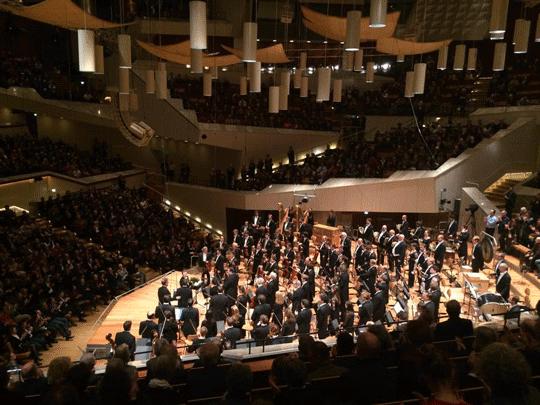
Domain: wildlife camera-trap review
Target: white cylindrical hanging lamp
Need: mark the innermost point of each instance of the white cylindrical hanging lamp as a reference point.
(370, 72)
(100, 61)
(303, 60)
(324, 75)
(442, 58)
(297, 79)
(133, 101)
(196, 61)
(537, 33)
(123, 81)
(249, 44)
(358, 60)
(243, 85)
(254, 74)
(419, 78)
(348, 61)
(499, 12)
(377, 15)
(285, 80)
(409, 84)
(207, 84)
(283, 97)
(400, 58)
(124, 51)
(471, 58)
(273, 99)
(499, 56)
(87, 50)
(523, 28)
(161, 81)
(304, 87)
(352, 36)
(150, 82)
(459, 57)
(197, 24)
(337, 90)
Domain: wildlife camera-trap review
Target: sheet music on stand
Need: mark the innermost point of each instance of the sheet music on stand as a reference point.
(471, 289)
(472, 295)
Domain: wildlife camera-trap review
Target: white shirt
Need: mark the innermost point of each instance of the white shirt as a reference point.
(394, 248)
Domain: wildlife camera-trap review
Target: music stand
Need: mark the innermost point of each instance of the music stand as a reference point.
(472, 295)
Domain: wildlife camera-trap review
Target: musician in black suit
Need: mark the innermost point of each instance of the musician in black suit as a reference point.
(126, 337)
(333, 259)
(148, 326)
(270, 225)
(427, 305)
(389, 243)
(163, 290)
(261, 330)
(440, 251)
(231, 334)
(247, 242)
(452, 228)
(303, 319)
(367, 256)
(297, 296)
(379, 304)
(365, 308)
(381, 243)
(331, 219)
(263, 308)
(161, 309)
(368, 232)
(477, 261)
(455, 326)
(273, 288)
(503, 282)
(418, 232)
(256, 220)
(237, 238)
(219, 264)
(369, 276)
(184, 293)
(463, 238)
(169, 328)
(219, 304)
(398, 254)
(499, 260)
(221, 244)
(343, 286)
(204, 259)
(357, 254)
(323, 316)
(404, 229)
(230, 286)
(190, 319)
(346, 245)
(324, 252)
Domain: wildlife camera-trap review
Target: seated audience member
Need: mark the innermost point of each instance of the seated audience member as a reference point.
(291, 372)
(207, 378)
(321, 366)
(261, 330)
(239, 384)
(529, 343)
(117, 386)
(305, 347)
(507, 373)
(33, 382)
(454, 326)
(159, 389)
(164, 348)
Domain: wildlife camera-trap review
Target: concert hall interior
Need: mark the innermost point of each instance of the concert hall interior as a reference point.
(270, 201)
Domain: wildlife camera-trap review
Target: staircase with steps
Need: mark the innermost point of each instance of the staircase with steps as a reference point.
(479, 93)
(496, 191)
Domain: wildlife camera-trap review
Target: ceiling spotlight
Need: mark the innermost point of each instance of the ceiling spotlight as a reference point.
(274, 40)
(308, 41)
(291, 41)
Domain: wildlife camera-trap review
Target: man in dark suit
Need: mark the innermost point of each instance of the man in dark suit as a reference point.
(303, 319)
(379, 305)
(184, 293)
(297, 296)
(346, 245)
(389, 243)
(381, 243)
(237, 238)
(231, 334)
(418, 232)
(219, 304)
(368, 232)
(454, 326)
(270, 225)
(161, 309)
(358, 252)
(230, 286)
(256, 220)
(367, 256)
(398, 254)
(163, 290)
(500, 260)
(427, 305)
(190, 319)
(440, 251)
(323, 316)
(262, 308)
(369, 276)
(148, 327)
(273, 288)
(503, 282)
(477, 262)
(365, 308)
(404, 229)
(261, 330)
(126, 337)
(219, 264)
(452, 228)
(324, 252)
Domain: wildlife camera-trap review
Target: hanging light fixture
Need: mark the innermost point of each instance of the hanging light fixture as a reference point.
(499, 56)
(124, 51)
(348, 61)
(273, 99)
(197, 25)
(254, 74)
(297, 79)
(150, 82)
(196, 61)
(243, 85)
(285, 80)
(521, 31)
(358, 60)
(471, 58)
(87, 51)
(409, 84)
(123, 81)
(324, 75)
(283, 97)
(442, 58)
(377, 15)
(499, 12)
(133, 101)
(100, 62)
(214, 72)
(304, 87)
(419, 78)
(303, 60)
(459, 57)
(161, 81)
(400, 58)
(537, 34)
(352, 37)
(337, 91)
(370, 72)
(207, 84)
(249, 44)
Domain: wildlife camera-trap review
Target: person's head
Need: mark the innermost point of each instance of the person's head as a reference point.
(500, 255)
(484, 336)
(305, 344)
(164, 282)
(203, 331)
(209, 354)
(88, 359)
(453, 309)
(116, 384)
(503, 268)
(159, 345)
(368, 346)
(150, 315)
(122, 352)
(261, 298)
(418, 332)
(436, 370)
(382, 334)
(320, 353)
(230, 321)
(504, 370)
(305, 303)
(239, 381)
(344, 344)
(263, 319)
(58, 369)
(324, 298)
(165, 368)
(289, 370)
(30, 371)
(476, 239)
(79, 376)
(127, 326)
